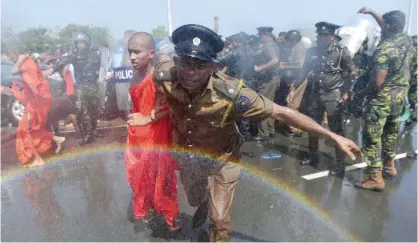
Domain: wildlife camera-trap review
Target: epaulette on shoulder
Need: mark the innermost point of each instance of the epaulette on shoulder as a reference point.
(164, 71)
(226, 85)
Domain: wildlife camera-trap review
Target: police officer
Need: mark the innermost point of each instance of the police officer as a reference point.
(327, 87)
(86, 63)
(204, 104)
(240, 65)
(386, 94)
(292, 56)
(268, 69)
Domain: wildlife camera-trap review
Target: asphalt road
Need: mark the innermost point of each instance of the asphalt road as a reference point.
(82, 195)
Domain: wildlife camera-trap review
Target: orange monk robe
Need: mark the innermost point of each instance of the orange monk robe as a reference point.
(31, 135)
(69, 83)
(150, 168)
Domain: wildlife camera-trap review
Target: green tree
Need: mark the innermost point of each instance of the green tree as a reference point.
(159, 32)
(99, 35)
(38, 39)
(8, 37)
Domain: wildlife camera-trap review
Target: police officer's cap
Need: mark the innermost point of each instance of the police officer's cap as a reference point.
(265, 29)
(197, 41)
(326, 28)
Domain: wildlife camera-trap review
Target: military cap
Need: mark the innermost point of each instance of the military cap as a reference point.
(265, 29)
(197, 41)
(326, 28)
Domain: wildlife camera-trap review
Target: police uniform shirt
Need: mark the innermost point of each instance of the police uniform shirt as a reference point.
(329, 66)
(270, 50)
(196, 121)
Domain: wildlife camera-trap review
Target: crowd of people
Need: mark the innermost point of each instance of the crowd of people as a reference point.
(210, 96)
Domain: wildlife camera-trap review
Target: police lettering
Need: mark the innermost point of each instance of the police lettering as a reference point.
(123, 74)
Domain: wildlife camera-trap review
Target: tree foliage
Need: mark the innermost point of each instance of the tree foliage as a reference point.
(40, 39)
(159, 32)
(100, 36)
(37, 39)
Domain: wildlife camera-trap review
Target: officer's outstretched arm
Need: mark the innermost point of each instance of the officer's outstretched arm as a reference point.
(297, 119)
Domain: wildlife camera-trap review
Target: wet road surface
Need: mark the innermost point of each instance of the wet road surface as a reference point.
(85, 197)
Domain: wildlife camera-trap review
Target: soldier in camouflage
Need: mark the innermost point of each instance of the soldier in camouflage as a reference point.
(386, 93)
(86, 62)
(361, 60)
(412, 93)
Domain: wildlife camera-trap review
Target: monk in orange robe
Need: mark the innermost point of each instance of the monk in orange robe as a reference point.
(32, 138)
(150, 168)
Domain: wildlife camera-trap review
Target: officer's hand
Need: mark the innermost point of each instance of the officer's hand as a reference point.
(348, 146)
(257, 69)
(290, 97)
(365, 10)
(216, 18)
(344, 98)
(139, 120)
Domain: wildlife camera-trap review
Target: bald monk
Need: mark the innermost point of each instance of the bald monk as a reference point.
(150, 169)
(32, 138)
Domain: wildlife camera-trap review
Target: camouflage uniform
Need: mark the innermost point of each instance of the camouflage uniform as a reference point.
(412, 93)
(392, 54)
(86, 71)
(361, 60)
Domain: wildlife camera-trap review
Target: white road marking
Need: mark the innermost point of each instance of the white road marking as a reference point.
(348, 168)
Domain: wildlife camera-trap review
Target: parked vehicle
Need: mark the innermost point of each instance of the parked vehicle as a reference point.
(12, 109)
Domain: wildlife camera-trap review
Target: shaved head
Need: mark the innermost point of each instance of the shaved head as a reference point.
(143, 39)
(141, 50)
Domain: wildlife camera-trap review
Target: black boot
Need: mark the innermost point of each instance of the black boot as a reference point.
(97, 134)
(86, 140)
(94, 127)
(337, 169)
(311, 159)
(200, 215)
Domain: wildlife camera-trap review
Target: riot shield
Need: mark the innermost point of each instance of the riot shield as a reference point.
(104, 64)
(353, 36)
(164, 47)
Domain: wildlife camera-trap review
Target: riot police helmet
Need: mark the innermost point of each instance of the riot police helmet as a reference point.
(293, 36)
(81, 37)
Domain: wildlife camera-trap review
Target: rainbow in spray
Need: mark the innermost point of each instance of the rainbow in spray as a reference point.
(263, 175)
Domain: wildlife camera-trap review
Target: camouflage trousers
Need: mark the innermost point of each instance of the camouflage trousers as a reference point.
(87, 105)
(380, 131)
(412, 98)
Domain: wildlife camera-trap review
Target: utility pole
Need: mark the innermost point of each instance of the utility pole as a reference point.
(170, 26)
(408, 26)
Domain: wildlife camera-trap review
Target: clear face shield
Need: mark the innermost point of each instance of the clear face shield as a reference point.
(165, 48)
(354, 35)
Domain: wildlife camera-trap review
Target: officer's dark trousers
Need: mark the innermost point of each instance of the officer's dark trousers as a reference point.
(87, 105)
(245, 128)
(314, 106)
(268, 89)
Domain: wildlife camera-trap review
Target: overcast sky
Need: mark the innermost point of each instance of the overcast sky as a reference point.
(235, 15)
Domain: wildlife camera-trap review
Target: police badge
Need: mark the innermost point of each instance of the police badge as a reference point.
(196, 41)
